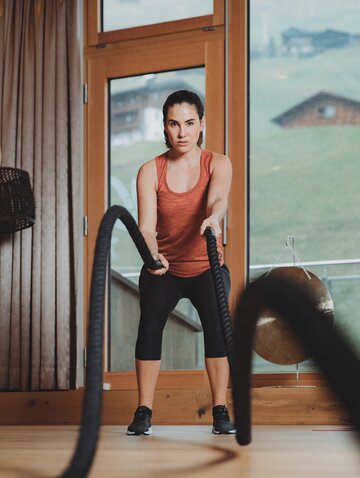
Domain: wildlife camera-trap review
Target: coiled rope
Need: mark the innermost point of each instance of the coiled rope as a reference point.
(324, 343)
(91, 414)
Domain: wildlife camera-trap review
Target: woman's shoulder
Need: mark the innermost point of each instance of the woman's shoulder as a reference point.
(218, 160)
(148, 171)
(148, 166)
(220, 157)
(152, 162)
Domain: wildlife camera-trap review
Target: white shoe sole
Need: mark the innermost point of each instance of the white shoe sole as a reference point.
(148, 432)
(230, 432)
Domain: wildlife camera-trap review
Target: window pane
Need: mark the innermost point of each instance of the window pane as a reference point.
(304, 146)
(120, 14)
(136, 136)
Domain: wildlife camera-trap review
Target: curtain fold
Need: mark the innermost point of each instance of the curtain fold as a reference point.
(40, 131)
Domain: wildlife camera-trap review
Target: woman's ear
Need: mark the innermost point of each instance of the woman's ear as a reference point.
(203, 123)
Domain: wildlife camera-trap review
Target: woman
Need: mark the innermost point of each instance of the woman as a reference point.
(180, 193)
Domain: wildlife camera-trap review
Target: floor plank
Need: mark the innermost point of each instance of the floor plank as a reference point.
(185, 451)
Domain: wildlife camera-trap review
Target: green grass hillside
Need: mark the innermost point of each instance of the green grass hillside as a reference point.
(303, 181)
(306, 181)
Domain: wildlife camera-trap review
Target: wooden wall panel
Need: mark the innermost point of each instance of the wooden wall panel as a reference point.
(271, 406)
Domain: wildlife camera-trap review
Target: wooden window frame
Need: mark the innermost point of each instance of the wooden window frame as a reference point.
(94, 35)
(123, 59)
(101, 54)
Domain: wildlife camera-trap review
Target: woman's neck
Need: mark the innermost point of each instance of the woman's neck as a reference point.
(187, 157)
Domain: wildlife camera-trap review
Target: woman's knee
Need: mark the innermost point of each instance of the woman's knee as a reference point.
(149, 341)
(214, 344)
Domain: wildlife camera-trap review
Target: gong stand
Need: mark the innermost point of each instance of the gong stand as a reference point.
(274, 340)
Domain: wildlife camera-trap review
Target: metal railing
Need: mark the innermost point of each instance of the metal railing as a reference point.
(266, 267)
(324, 269)
(309, 263)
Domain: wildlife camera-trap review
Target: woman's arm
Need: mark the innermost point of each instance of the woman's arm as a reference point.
(219, 188)
(147, 210)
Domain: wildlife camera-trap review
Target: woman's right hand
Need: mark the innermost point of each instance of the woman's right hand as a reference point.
(164, 269)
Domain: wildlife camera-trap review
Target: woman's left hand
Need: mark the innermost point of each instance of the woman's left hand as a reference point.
(212, 222)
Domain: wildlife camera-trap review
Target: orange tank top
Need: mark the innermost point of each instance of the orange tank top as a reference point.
(179, 217)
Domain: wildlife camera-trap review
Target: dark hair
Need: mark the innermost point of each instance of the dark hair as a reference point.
(183, 96)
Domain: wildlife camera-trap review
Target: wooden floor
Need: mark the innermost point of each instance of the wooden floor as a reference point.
(185, 451)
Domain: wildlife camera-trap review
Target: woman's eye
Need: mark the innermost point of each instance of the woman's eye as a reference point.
(191, 123)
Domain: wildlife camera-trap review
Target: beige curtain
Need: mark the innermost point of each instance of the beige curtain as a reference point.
(40, 108)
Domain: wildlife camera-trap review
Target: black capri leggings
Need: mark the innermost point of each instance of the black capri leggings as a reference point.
(158, 298)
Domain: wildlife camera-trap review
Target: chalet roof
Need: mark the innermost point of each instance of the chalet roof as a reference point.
(308, 103)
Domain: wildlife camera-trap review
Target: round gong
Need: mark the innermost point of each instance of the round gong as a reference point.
(274, 341)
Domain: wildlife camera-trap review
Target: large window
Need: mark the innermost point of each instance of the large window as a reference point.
(127, 71)
(304, 146)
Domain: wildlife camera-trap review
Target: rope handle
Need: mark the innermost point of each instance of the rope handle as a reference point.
(209, 232)
(157, 265)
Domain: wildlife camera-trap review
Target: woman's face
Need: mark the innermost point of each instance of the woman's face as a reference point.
(183, 127)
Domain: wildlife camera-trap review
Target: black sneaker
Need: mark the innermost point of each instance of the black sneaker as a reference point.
(141, 425)
(222, 424)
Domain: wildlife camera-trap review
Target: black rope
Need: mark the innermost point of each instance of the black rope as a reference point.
(324, 343)
(91, 415)
(327, 347)
(221, 300)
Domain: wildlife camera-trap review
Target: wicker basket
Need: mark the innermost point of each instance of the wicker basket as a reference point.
(17, 204)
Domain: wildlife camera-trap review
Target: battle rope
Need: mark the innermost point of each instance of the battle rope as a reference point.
(221, 300)
(91, 414)
(328, 348)
(324, 343)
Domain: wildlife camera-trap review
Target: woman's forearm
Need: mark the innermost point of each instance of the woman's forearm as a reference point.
(150, 239)
(217, 210)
